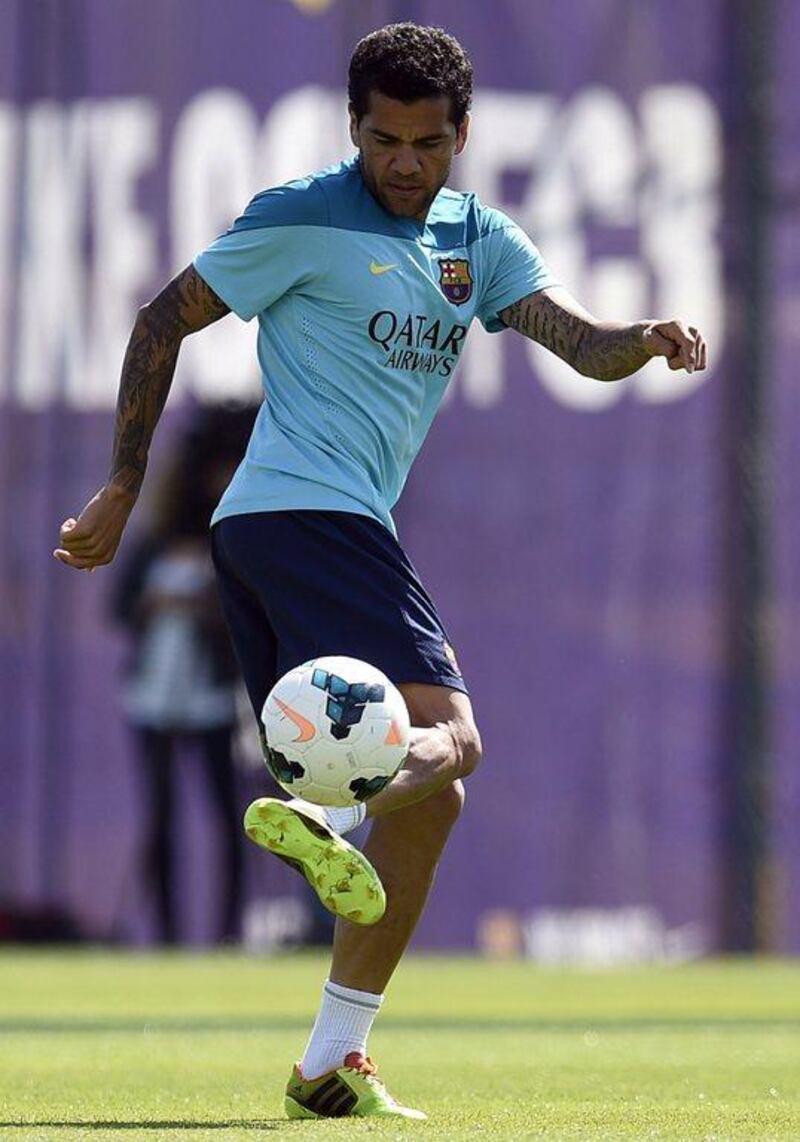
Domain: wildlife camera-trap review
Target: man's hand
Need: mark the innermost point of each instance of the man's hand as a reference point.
(93, 538)
(682, 345)
(604, 350)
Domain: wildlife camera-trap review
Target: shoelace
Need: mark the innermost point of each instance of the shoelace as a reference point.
(364, 1065)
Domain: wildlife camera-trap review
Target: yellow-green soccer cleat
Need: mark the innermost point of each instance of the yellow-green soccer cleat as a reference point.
(353, 1090)
(342, 877)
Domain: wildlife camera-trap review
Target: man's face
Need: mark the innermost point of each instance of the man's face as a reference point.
(406, 151)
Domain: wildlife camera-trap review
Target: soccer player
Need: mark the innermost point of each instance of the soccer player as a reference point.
(365, 279)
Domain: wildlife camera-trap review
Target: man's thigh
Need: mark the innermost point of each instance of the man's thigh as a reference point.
(432, 705)
(442, 705)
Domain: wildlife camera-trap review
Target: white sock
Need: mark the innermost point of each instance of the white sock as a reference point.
(345, 820)
(343, 1024)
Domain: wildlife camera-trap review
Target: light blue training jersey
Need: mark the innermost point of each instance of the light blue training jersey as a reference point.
(362, 318)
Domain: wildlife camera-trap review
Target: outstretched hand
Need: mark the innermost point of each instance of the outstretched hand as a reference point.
(93, 538)
(682, 345)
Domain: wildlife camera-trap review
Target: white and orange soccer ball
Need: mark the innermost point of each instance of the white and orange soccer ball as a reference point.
(336, 731)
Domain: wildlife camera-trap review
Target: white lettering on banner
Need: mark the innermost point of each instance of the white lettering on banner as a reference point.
(123, 147)
(50, 338)
(593, 163)
(8, 147)
(680, 221)
(212, 177)
(73, 325)
(644, 179)
(590, 175)
(304, 131)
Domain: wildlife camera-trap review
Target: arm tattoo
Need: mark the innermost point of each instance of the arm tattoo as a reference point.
(185, 305)
(605, 350)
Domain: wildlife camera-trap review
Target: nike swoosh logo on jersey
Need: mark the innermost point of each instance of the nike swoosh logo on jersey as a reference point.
(306, 728)
(375, 268)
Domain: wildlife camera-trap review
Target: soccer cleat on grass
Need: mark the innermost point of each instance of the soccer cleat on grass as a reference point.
(342, 877)
(353, 1090)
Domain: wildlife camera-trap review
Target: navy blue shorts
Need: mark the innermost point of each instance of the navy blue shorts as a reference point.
(295, 585)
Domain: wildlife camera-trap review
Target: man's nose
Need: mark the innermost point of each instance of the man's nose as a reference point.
(406, 161)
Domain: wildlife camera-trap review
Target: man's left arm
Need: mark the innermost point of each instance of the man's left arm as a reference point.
(604, 350)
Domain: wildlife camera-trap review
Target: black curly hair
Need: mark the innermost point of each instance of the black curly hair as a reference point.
(409, 62)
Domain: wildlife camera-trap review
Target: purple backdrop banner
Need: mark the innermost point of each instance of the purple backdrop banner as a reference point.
(571, 532)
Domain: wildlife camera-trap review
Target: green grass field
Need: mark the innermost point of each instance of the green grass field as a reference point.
(124, 1046)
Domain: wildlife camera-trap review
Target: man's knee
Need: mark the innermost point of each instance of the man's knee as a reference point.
(468, 748)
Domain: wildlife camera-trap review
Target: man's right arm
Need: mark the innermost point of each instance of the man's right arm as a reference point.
(184, 306)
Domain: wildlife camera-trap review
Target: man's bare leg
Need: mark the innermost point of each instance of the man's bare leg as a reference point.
(386, 887)
(444, 746)
(404, 846)
(412, 819)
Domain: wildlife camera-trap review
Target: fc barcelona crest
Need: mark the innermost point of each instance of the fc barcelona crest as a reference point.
(455, 279)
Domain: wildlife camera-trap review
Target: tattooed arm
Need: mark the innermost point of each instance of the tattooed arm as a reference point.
(184, 306)
(605, 350)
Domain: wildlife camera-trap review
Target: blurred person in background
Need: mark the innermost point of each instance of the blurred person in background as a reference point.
(181, 677)
(365, 279)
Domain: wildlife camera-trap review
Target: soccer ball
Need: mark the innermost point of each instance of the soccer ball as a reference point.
(336, 731)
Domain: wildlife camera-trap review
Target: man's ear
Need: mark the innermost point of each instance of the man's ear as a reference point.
(355, 137)
(462, 134)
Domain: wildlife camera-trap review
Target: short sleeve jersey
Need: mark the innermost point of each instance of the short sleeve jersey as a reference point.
(362, 319)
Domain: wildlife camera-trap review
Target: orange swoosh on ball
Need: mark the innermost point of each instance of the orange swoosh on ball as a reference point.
(393, 737)
(306, 728)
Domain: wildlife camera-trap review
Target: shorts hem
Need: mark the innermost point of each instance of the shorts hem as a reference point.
(451, 681)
